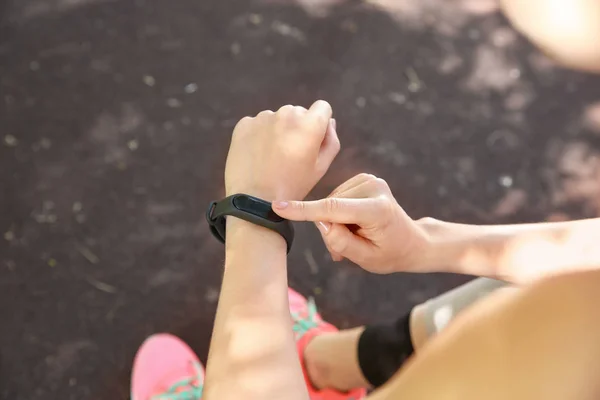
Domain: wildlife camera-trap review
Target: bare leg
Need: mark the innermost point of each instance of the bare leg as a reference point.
(333, 359)
(540, 342)
(568, 30)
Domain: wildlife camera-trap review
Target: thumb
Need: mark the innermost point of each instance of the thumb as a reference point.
(331, 209)
(330, 147)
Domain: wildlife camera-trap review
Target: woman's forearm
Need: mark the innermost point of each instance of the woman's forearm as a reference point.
(252, 353)
(272, 156)
(516, 253)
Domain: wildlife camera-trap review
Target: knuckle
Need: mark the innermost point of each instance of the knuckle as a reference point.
(432, 224)
(288, 115)
(373, 186)
(299, 205)
(365, 176)
(323, 104)
(428, 220)
(389, 208)
(299, 109)
(300, 208)
(383, 217)
(381, 184)
(285, 110)
(383, 205)
(244, 121)
(332, 205)
(265, 113)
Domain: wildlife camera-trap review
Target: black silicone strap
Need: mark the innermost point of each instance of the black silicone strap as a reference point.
(251, 209)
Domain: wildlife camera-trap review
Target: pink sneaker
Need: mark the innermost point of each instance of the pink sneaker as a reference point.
(308, 324)
(165, 368)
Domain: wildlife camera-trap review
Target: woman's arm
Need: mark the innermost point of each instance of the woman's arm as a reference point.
(516, 253)
(362, 221)
(540, 342)
(252, 353)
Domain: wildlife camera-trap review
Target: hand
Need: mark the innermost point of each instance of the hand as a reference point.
(283, 154)
(361, 221)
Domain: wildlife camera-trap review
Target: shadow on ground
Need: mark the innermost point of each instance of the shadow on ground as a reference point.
(115, 119)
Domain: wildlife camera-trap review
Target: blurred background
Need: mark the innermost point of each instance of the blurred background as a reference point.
(115, 119)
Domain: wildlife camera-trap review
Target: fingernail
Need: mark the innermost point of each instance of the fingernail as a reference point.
(324, 226)
(334, 124)
(280, 204)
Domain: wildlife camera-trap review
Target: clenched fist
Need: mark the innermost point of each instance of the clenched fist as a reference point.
(283, 154)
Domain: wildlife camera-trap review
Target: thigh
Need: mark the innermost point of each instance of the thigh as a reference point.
(540, 342)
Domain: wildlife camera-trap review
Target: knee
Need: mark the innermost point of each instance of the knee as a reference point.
(568, 30)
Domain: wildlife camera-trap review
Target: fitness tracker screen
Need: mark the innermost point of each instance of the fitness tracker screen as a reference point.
(261, 209)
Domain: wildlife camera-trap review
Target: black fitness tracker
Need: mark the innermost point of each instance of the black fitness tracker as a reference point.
(250, 209)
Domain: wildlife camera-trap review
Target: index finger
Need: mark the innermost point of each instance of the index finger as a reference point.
(332, 209)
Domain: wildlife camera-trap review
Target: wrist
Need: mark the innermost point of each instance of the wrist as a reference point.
(421, 253)
(440, 252)
(460, 248)
(267, 193)
(257, 191)
(242, 235)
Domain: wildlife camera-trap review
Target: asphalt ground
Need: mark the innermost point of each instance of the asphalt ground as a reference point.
(115, 118)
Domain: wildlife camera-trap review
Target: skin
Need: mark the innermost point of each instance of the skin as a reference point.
(538, 343)
(272, 156)
(332, 361)
(567, 30)
(361, 221)
(515, 344)
(253, 302)
(357, 221)
(253, 354)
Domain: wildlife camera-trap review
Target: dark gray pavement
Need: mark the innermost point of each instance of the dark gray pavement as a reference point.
(115, 118)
